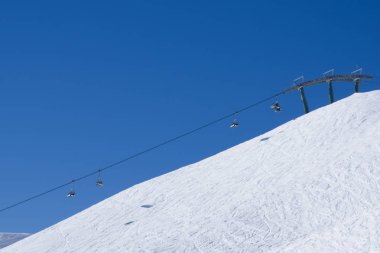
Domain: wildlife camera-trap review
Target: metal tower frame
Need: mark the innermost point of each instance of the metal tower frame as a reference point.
(356, 77)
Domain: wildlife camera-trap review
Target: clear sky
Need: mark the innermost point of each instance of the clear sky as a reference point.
(87, 83)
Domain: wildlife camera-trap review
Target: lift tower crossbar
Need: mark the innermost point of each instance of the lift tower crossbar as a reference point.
(353, 78)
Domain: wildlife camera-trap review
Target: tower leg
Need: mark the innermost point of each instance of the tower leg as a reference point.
(303, 97)
(357, 85)
(331, 92)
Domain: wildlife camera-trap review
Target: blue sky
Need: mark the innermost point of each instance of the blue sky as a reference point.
(87, 83)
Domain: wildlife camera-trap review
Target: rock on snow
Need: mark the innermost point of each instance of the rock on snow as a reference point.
(310, 185)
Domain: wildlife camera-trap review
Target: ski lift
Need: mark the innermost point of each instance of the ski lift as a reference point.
(71, 193)
(276, 106)
(235, 122)
(99, 181)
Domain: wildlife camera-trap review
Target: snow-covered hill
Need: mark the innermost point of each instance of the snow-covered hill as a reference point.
(9, 238)
(311, 185)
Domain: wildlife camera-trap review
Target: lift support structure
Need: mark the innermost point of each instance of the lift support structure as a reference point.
(352, 78)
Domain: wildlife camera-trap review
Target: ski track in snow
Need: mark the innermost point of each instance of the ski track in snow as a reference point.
(310, 185)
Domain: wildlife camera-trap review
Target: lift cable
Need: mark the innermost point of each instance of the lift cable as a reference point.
(145, 151)
(152, 148)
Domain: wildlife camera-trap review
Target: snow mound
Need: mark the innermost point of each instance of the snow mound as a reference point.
(10, 238)
(310, 185)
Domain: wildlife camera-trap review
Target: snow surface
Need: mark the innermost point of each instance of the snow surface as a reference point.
(9, 238)
(310, 185)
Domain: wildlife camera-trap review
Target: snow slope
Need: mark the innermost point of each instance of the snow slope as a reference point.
(310, 185)
(9, 238)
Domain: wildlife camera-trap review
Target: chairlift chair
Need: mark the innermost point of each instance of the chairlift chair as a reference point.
(99, 183)
(276, 107)
(234, 124)
(71, 194)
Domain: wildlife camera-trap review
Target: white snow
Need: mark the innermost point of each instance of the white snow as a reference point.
(9, 238)
(310, 185)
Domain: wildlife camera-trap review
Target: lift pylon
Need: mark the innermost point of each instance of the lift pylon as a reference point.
(329, 81)
(357, 80)
(356, 77)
